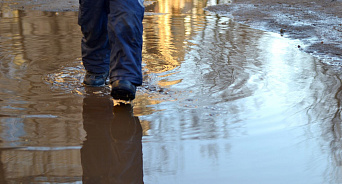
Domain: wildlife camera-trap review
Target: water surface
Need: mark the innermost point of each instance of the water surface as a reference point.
(220, 103)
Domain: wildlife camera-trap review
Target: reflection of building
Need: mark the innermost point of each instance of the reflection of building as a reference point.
(33, 38)
(41, 42)
(32, 45)
(168, 25)
(167, 31)
(50, 151)
(166, 34)
(27, 166)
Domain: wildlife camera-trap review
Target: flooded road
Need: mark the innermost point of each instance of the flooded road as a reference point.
(221, 103)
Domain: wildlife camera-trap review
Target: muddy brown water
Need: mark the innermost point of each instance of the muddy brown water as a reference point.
(221, 103)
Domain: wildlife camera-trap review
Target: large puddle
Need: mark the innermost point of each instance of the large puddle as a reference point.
(220, 103)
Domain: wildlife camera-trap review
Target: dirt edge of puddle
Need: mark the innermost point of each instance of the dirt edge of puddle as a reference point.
(318, 24)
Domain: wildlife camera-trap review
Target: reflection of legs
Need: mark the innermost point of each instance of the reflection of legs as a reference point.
(93, 18)
(95, 152)
(112, 151)
(2, 171)
(126, 132)
(125, 34)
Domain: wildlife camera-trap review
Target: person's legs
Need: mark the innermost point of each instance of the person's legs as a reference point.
(93, 18)
(125, 35)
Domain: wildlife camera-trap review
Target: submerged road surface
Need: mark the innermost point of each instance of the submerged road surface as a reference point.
(221, 103)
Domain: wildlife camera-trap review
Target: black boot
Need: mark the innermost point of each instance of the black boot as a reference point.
(123, 90)
(95, 79)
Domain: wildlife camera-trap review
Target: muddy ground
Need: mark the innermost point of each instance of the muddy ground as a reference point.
(43, 5)
(317, 23)
(48, 5)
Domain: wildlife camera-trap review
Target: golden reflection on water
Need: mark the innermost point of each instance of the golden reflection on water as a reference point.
(166, 34)
(53, 165)
(33, 44)
(40, 43)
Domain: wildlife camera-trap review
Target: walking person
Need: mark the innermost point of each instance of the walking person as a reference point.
(112, 44)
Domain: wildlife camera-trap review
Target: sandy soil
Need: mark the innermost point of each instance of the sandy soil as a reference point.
(317, 23)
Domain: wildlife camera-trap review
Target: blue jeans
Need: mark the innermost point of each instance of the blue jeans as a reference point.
(112, 38)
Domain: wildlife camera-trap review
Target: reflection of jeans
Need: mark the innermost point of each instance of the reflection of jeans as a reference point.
(2, 171)
(112, 37)
(112, 152)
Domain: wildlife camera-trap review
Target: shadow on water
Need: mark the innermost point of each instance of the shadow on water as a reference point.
(220, 102)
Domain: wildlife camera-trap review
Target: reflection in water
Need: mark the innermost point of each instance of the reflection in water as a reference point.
(112, 151)
(2, 171)
(220, 101)
(166, 35)
(239, 82)
(40, 164)
(333, 128)
(33, 45)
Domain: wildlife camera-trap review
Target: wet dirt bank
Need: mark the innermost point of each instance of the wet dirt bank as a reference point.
(48, 5)
(318, 24)
(43, 5)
